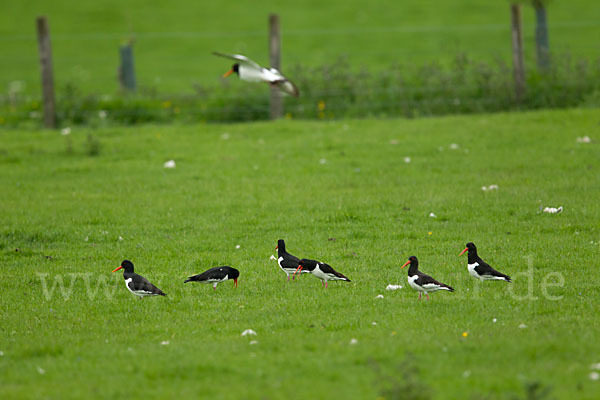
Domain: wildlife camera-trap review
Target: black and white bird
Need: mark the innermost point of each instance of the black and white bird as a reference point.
(287, 262)
(137, 284)
(320, 270)
(250, 71)
(421, 282)
(479, 268)
(215, 276)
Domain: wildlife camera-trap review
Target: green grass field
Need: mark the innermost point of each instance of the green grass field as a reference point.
(173, 40)
(63, 214)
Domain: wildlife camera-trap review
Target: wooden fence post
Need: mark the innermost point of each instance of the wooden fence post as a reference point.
(517, 51)
(276, 107)
(126, 70)
(541, 36)
(45, 50)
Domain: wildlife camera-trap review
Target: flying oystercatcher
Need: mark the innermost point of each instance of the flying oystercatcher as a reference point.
(215, 276)
(287, 262)
(250, 71)
(479, 268)
(137, 284)
(320, 270)
(421, 282)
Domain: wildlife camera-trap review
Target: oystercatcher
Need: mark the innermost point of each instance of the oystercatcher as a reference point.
(479, 268)
(137, 284)
(250, 71)
(215, 276)
(421, 282)
(287, 262)
(320, 270)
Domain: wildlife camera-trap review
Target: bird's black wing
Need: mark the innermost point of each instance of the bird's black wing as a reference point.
(484, 269)
(289, 261)
(426, 281)
(328, 269)
(216, 273)
(139, 283)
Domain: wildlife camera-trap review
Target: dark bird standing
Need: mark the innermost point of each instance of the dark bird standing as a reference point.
(215, 276)
(320, 270)
(479, 268)
(421, 282)
(137, 284)
(287, 262)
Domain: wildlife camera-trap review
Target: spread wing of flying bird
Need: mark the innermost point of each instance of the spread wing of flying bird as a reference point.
(250, 71)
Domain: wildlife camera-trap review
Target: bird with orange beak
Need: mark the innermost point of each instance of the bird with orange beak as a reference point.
(421, 282)
(320, 270)
(480, 269)
(215, 276)
(287, 262)
(250, 71)
(137, 284)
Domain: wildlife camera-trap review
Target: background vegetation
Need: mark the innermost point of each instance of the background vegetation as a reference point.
(409, 59)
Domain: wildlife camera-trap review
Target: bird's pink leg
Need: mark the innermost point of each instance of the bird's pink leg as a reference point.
(288, 277)
(419, 295)
(427, 294)
(325, 284)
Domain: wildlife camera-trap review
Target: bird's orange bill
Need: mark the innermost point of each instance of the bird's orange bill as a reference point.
(405, 264)
(463, 252)
(297, 269)
(118, 268)
(276, 247)
(235, 281)
(226, 74)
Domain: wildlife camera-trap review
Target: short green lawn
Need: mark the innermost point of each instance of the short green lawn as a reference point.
(340, 192)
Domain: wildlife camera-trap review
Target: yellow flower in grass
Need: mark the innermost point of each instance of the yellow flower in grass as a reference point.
(465, 334)
(321, 105)
(166, 104)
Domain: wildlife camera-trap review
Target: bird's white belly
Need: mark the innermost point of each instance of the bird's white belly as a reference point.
(413, 284)
(320, 274)
(471, 268)
(254, 75)
(211, 280)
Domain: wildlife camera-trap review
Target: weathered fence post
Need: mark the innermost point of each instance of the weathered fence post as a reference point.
(45, 50)
(126, 70)
(517, 51)
(541, 36)
(275, 60)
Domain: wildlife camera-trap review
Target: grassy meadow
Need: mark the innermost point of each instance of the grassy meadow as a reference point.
(173, 39)
(73, 207)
